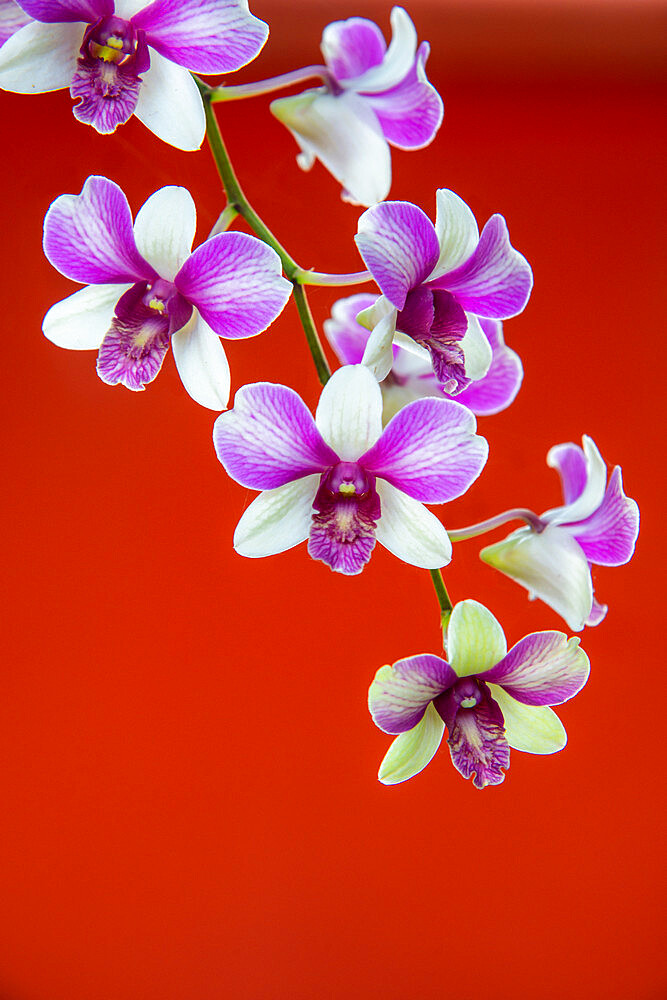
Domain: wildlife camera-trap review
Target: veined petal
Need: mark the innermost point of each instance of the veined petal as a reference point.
(478, 744)
(165, 228)
(410, 531)
(88, 237)
(59, 11)
(412, 751)
(378, 354)
(589, 485)
(270, 438)
(475, 639)
(456, 229)
(531, 728)
(400, 694)
(545, 668)
(550, 565)
(344, 133)
(411, 112)
(429, 450)
(351, 47)
(569, 460)
(399, 247)
(81, 321)
(277, 520)
(40, 57)
(349, 413)
(598, 613)
(347, 337)
(205, 36)
(499, 387)
(202, 363)
(12, 18)
(476, 349)
(170, 104)
(609, 535)
(398, 60)
(236, 282)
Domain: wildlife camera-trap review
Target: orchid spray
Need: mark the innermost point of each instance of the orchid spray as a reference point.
(395, 428)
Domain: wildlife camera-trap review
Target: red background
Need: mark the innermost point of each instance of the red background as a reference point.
(189, 807)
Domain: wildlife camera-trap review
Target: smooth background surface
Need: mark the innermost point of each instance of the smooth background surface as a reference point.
(188, 801)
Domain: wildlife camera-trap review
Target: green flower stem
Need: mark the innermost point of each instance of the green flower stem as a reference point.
(444, 600)
(259, 87)
(321, 278)
(238, 203)
(518, 514)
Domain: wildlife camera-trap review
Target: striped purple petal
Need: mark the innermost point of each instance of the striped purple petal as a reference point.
(400, 694)
(270, 438)
(609, 535)
(478, 745)
(411, 112)
(88, 237)
(63, 11)
(498, 388)
(545, 668)
(12, 17)
(569, 460)
(351, 47)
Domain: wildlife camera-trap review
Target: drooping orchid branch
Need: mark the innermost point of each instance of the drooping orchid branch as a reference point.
(270, 85)
(517, 514)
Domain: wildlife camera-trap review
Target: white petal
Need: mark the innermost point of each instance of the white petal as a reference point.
(40, 57)
(128, 8)
(349, 413)
(378, 354)
(398, 60)
(412, 751)
(80, 322)
(165, 228)
(170, 104)
(457, 231)
(410, 531)
(277, 520)
(531, 728)
(475, 640)
(476, 349)
(593, 492)
(202, 364)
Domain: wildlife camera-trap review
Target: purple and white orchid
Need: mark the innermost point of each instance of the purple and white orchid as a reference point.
(597, 525)
(125, 57)
(375, 97)
(145, 288)
(488, 698)
(412, 377)
(436, 283)
(12, 18)
(340, 480)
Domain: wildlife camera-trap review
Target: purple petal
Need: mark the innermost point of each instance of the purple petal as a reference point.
(478, 744)
(342, 532)
(351, 47)
(59, 11)
(107, 93)
(270, 438)
(11, 19)
(609, 535)
(496, 280)
(88, 237)
(417, 315)
(429, 450)
(545, 668)
(133, 350)
(570, 461)
(205, 36)
(399, 695)
(410, 113)
(499, 387)
(236, 282)
(598, 613)
(348, 337)
(399, 246)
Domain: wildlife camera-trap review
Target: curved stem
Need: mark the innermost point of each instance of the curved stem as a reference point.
(444, 600)
(321, 278)
(273, 83)
(517, 514)
(312, 336)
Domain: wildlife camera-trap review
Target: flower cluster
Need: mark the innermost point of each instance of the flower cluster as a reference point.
(395, 427)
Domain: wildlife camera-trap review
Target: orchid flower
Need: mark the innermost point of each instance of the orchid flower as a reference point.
(11, 19)
(374, 97)
(145, 288)
(489, 699)
(125, 57)
(436, 283)
(339, 480)
(597, 525)
(412, 377)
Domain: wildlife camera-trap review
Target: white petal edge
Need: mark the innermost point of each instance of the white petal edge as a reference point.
(349, 413)
(277, 520)
(412, 751)
(165, 228)
(398, 59)
(531, 728)
(378, 355)
(475, 639)
(202, 364)
(593, 492)
(410, 531)
(457, 231)
(170, 104)
(40, 57)
(80, 322)
(476, 349)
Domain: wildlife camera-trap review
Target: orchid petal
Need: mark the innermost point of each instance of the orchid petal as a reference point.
(550, 565)
(478, 744)
(347, 337)
(351, 47)
(598, 613)
(410, 531)
(60, 11)
(456, 229)
(569, 460)
(205, 36)
(412, 751)
(378, 354)
(499, 387)
(530, 728)
(429, 451)
(165, 228)
(400, 694)
(410, 113)
(277, 519)
(349, 413)
(590, 495)
(399, 247)
(544, 668)
(81, 321)
(40, 58)
(236, 282)
(12, 19)
(88, 237)
(202, 364)
(475, 639)
(398, 60)
(476, 349)
(270, 438)
(608, 537)
(170, 104)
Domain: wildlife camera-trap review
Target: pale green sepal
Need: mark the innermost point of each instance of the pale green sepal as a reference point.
(371, 316)
(475, 640)
(378, 354)
(412, 751)
(531, 728)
